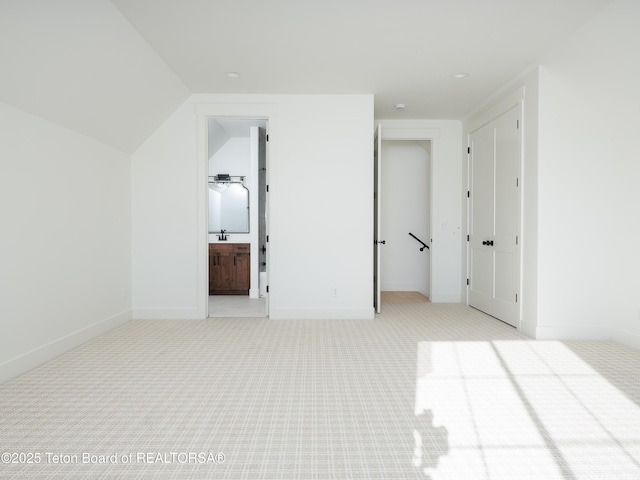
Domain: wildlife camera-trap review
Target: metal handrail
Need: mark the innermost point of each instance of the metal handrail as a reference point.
(424, 244)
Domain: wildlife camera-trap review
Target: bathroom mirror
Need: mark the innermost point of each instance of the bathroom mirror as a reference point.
(228, 207)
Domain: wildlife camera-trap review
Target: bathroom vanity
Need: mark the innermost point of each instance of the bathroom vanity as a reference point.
(229, 268)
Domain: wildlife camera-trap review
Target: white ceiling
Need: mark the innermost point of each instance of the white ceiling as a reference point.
(114, 70)
(403, 51)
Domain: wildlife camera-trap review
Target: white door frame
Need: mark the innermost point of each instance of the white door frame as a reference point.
(433, 136)
(205, 111)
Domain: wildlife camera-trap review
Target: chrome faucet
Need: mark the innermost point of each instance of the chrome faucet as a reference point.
(222, 237)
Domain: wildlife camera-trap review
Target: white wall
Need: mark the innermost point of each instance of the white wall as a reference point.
(216, 137)
(405, 195)
(65, 242)
(589, 218)
(164, 211)
(446, 198)
(232, 158)
(580, 184)
(321, 184)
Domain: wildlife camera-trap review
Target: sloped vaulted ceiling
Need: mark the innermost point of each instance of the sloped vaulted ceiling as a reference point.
(81, 64)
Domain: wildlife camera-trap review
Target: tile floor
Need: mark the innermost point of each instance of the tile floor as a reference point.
(228, 306)
(424, 391)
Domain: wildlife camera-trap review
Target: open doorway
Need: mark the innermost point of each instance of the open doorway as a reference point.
(405, 221)
(237, 217)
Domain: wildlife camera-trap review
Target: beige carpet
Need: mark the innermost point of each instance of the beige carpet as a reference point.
(423, 391)
(403, 297)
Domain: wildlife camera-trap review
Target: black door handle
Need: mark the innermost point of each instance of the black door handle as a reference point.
(488, 242)
(383, 242)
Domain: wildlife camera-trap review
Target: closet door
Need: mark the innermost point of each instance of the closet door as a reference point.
(481, 210)
(494, 220)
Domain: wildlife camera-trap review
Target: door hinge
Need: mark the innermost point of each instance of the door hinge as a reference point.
(267, 188)
(267, 288)
(517, 124)
(467, 238)
(517, 182)
(516, 298)
(468, 149)
(267, 238)
(267, 137)
(467, 281)
(468, 194)
(516, 240)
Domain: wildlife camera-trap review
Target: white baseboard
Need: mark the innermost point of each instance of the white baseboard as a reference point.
(528, 329)
(322, 314)
(29, 360)
(166, 314)
(626, 338)
(577, 332)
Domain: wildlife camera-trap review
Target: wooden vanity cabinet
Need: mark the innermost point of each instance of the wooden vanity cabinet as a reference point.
(229, 268)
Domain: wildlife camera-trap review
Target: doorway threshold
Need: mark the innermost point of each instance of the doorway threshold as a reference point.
(403, 297)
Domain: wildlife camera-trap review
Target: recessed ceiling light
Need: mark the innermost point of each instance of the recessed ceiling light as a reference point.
(233, 74)
(460, 75)
(400, 106)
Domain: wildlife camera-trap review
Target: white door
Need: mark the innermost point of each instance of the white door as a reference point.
(494, 206)
(377, 152)
(263, 219)
(481, 218)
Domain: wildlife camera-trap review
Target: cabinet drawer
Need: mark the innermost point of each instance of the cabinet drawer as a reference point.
(229, 247)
